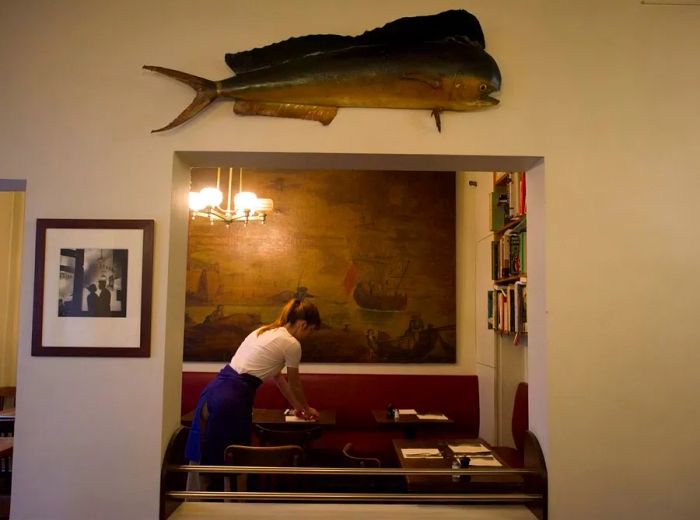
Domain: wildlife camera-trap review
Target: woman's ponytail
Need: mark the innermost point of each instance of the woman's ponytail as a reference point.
(295, 309)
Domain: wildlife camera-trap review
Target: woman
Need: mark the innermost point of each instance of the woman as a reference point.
(224, 412)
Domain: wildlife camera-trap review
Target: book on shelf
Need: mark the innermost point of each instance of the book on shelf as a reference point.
(523, 312)
(521, 307)
(495, 259)
(514, 254)
(489, 307)
(502, 310)
(506, 311)
(516, 310)
(514, 194)
(496, 308)
(511, 308)
(498, 215)
(505, 256)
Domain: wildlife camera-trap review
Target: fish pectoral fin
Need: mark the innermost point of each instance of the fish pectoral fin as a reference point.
(438, 122)
(433, 81)
(323, 114)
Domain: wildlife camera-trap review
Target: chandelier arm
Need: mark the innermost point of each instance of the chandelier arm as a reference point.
(228, 202)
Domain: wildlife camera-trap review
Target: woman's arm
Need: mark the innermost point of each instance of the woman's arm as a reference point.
(282, 384)
(293, 391)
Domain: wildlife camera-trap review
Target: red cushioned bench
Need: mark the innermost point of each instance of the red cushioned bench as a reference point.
(515, 457)
(354, 396)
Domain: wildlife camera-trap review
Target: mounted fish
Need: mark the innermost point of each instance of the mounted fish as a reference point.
(435, 62)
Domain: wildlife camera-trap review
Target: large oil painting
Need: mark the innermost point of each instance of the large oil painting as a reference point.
(374, 250)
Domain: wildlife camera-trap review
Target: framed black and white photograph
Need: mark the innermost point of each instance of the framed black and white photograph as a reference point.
(92, 288)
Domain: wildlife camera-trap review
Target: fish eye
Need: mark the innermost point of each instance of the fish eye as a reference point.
(483, 87)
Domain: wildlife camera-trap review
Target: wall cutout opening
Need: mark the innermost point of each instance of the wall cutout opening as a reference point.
(466, 363)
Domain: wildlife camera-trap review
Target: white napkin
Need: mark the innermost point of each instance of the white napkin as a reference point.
(432, 416)
(465, 449)
(421, 453)
(294, 418)
(483, 461)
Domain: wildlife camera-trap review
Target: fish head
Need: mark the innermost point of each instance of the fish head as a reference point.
(475, 81)
(470, 93)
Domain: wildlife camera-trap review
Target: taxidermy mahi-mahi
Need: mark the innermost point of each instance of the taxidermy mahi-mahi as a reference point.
(433, 62)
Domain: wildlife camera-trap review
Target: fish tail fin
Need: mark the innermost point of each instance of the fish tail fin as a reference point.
(206, 93)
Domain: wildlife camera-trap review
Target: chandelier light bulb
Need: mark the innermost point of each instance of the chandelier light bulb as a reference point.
(245, 201)
(196, 201)
(211, 196)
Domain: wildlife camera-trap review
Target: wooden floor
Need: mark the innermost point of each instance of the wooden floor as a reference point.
(249, 511)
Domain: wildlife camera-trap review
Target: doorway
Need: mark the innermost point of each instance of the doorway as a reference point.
(11, 238)
(11, 232)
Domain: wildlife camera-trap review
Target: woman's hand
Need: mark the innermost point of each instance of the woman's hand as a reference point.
(312, 413)
(309, 413)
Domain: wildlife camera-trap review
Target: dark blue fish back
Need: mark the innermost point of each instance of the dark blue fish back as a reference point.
(456, 23)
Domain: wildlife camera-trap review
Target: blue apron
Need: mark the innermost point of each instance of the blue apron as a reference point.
(229, 398)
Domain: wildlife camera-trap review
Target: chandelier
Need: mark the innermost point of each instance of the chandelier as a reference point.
(246, 207)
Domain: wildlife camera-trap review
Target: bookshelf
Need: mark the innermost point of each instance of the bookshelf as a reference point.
(507, 300)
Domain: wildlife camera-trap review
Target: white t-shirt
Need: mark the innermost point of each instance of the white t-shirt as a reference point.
(265, 355)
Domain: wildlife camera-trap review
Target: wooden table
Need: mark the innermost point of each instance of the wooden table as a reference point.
(275, 417)
(408, 423)
(445, 483)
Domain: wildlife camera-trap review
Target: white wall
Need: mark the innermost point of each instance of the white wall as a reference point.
(605, 91)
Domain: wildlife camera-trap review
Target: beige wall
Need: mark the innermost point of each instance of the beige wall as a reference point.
(605, 91)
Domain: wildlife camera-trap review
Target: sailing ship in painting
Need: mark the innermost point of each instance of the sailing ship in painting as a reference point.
(382, 294)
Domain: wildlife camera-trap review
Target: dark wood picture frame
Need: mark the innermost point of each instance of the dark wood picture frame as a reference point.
(64, 248)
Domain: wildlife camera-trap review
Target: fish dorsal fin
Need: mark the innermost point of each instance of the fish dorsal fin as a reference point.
(323, 114)
(456, 23)
(261, 57)
(452, 23)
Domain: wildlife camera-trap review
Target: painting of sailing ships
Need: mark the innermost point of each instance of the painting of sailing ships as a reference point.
(374, 250)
